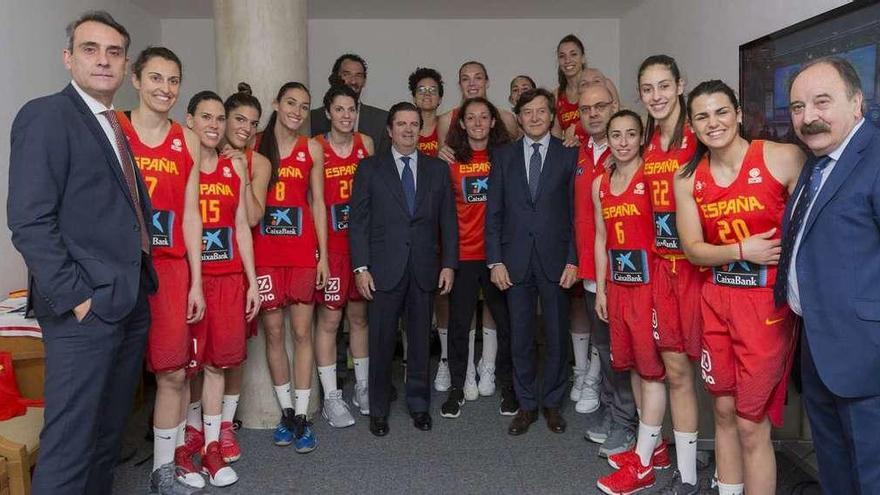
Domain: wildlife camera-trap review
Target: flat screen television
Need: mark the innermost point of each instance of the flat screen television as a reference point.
(766, 65)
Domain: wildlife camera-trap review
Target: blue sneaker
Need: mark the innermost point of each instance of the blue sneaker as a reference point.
(305, 437)
(283, 435)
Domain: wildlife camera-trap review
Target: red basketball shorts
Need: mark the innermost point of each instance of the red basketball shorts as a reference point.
(630, 321)
(281, 286)
(748, 349)
(220, 338)
(676, 286)
(340, 287)
(169, 343)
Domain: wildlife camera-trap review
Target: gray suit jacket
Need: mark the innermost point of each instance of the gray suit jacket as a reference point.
(371, 121)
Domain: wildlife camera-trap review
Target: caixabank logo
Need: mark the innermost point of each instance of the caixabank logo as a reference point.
(475, 189)
(740, 274)
(339, 215)
(629, 266)
(161, 228)
(282, 221)
(665, 232)
(217, 245)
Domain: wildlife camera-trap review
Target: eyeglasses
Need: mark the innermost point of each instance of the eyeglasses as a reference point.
(427, 90)
(599, 107)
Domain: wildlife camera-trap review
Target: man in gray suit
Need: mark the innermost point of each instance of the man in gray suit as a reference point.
(351, 70)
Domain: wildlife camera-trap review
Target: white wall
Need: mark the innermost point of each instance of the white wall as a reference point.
(193, 41)
(32, 37)
(703, 35)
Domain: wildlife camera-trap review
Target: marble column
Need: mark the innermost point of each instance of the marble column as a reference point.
(262, 43)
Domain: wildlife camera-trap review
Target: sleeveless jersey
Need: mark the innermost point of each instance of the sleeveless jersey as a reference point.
(660, 169)
(430, 144)
(470, 184)
(584, 214)
(218, 200)
(338, 177)
(754, 202)
(629, 230)
(567, 114)
(286, 235)
(165, 170)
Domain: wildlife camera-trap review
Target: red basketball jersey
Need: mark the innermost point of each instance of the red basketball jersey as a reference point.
(629, 230)
(568, 114)
(219, 193)
(165, 170)
(430, 144)
(753, 203)
(338, 177)
(470, 184)
(286, 234)
(660, 169)
(584, 214)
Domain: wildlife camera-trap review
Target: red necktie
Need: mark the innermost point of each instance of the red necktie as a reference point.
(128, 171)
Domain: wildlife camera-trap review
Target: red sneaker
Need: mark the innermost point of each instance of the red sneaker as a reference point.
(630, 478)
(228, 443)
(213, 465)
(659, 459)
(193, 439)
(186, 468)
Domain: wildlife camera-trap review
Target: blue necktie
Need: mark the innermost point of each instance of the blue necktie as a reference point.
(808, 193)
(535, 169)
(409, 185)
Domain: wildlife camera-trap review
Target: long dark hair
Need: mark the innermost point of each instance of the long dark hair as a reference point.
(618, 115)
(243, 97)
(458, 138)
(338, 90)
(569, 38)
(268, 144)
(651, 125)
(709, 87)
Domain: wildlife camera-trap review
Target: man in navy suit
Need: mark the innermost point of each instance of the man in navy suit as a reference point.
(530, 250)
(76, 208)
(829, 273)
(403, 233)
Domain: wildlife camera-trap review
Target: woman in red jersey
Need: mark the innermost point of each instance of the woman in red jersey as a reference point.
(519, 85)
(291, 252)
(229, 276)
(572, 62)
(426, 87)
(476, 132)
(669, 144)
(731, 198)
(343, 148)
(165, 153)
(624, 236)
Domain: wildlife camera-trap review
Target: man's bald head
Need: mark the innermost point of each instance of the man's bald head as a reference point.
(596, 105)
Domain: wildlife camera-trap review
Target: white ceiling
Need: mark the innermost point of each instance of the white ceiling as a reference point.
(420, 9)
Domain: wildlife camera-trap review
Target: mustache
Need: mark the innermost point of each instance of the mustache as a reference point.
(815, 127)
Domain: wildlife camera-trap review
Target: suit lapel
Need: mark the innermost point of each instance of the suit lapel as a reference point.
(423, 180)
(520, 167)
(796, 194)
(392, 179)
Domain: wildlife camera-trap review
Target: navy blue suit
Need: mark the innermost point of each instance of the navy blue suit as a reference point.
(838, 273)
(534, 240)
(74, 223)
(404, 254)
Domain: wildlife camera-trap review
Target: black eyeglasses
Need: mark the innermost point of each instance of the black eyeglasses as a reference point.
(599, 107)
(427, 90)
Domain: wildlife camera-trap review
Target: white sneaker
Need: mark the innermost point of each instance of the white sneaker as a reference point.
(361, 399)
(443, 380)
(578, 386)
(486, 387)
(589, 400)
(471, 392)
(335, 410)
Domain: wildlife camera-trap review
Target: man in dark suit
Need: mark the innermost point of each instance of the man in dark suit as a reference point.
(351, 70)
(530, 249)
(402, 219)
(76, 208)
(829, 271)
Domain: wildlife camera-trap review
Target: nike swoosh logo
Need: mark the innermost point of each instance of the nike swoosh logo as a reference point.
(692, 442)
(641, 474)
(768, 321)
(164, 438)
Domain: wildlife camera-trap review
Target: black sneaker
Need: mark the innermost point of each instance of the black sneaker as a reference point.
(452, 407)
(509, 402)
(677, 487)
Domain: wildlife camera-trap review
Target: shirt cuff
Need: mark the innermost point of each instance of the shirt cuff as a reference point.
(360, 269)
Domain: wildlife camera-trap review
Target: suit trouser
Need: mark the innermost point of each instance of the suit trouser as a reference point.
(383, 314)
(616, 392)
(469, 279)
(522, 301)
(846, 433)
(92, 369)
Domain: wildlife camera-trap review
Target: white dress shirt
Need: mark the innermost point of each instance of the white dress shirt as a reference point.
(794, 298)
(97, 108)
(527, 149)
(413, 164)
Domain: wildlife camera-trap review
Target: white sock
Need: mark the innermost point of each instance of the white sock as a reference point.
(282, 393)
(327, 375)
(647, 440)
(686, 455)
(730, 488)
(471, 369)
(443, 333)
(490, 346)
(639, 412)
(212, 428)
(301, 401)
(362, 370)
(181, 435)
(595, 366)
(580, 343)
(164, 441)
(230, 404)
(194, 415)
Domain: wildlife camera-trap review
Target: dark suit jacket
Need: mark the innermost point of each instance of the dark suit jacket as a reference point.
(383, 236)
(372, 121)
(838, 269)
(516, 225)
(70, 212)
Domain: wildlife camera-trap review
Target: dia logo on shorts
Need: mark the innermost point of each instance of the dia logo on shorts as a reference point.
(655, 325)
(706, 367)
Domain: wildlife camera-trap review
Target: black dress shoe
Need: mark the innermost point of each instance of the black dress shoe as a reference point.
(379, 425)
(421, 420)
(522, 421)
(554, 418)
